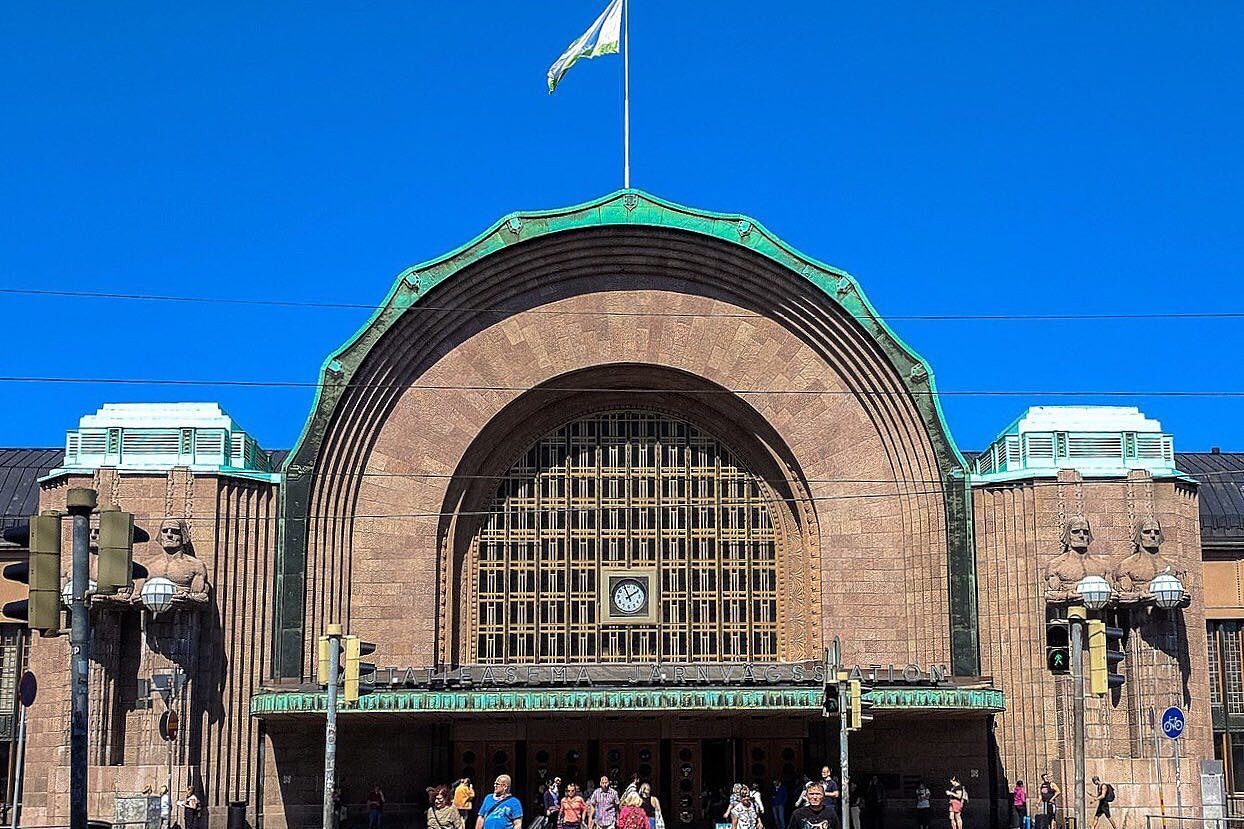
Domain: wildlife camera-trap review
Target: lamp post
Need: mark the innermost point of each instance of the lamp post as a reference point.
(1095, 593)
(157, 596)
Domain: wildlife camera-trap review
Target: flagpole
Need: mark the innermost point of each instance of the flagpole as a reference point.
(626, 95)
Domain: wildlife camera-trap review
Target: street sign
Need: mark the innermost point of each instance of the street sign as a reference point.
(1173, 722)
(168, 725)
(27, 687)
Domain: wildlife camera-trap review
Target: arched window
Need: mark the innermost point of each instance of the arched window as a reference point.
(618, 492)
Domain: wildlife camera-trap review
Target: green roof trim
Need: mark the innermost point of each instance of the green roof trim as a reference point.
(623, 208)
(981, 700)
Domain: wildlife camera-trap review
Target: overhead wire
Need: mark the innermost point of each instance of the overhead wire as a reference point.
(289, 303)
(447, 387)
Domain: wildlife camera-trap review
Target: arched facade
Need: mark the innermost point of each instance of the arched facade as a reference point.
(627, 302)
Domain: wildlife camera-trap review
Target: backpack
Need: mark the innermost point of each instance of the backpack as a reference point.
(1109, 793)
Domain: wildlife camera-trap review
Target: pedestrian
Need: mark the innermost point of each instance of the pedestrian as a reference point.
(443, 814)
(464, 797)
(337, 821)
(572, 808)
(833, 792)
(633, 786)
(1049, 793)
(191, 806)
(552, 801)
(924, 810)
(375, 807)
(501, 809)
(651, 807)
(815, 814)
(166, 808)
(1105, 796)
(602, 806)
(631, 815)
(757, 800)
(780, 796)
(875, 802)
(744, 815)
(802, 800)
(1019, 799)
(958, 798)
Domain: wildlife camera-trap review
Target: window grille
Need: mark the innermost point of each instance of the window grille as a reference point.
(627, 489)
(1233, 680)
(1215, 665)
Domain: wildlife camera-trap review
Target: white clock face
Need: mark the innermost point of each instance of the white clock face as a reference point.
(629, 595)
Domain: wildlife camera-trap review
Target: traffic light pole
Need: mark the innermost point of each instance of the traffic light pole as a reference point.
(1075, 616)
(844, 753)
(330, 727)
(80, 502)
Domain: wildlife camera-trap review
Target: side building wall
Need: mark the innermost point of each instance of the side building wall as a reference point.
(223, 648)
(1018, 533)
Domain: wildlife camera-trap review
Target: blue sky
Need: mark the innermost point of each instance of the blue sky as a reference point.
(955, 158)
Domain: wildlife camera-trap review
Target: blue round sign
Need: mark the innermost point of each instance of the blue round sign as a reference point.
(1172, 723)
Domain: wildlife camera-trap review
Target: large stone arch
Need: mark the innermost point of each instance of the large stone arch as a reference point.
(708, 407)
(628, 279)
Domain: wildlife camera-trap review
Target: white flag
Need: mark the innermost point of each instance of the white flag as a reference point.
(602, 38)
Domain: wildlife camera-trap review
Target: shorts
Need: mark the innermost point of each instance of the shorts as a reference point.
(956, 806)
(1103, 809)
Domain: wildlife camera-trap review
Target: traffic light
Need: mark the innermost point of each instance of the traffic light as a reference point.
(41, 609)
(829, 702)
(857, 705)
(1105, 654)
(324, 655)
(117, 535)
(1058, 646)
(355, 669)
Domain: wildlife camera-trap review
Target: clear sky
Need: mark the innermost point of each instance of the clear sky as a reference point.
(956, 158)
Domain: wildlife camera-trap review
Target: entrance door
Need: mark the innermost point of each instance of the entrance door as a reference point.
(481, 762)
(566, 759)
(622, 758)
(774, 759)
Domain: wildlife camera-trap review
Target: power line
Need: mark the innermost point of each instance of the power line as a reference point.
(296, 384)
(284, 303)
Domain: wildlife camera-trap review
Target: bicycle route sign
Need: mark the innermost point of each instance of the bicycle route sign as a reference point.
(1173, 723)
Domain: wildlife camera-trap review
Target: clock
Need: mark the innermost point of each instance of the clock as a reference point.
(629, 595)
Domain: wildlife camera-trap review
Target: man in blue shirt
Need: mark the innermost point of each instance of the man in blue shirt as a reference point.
(500, 810)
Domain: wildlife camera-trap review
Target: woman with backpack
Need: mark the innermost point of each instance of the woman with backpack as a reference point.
(1105, 796)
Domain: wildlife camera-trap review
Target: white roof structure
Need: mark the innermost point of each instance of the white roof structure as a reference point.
(1098, 441)
(157, 437)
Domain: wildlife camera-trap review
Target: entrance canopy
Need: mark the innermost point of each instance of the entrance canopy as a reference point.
(589, 700)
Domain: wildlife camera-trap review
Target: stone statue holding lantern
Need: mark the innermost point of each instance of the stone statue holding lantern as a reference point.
(1146, 562)
(178, 564)
(1074, 563)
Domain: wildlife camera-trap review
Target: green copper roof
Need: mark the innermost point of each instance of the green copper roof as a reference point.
(986, 700)
(627, 207)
